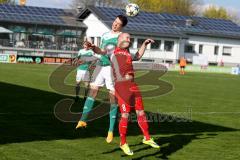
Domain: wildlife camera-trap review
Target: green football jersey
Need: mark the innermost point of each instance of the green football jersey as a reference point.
(82, 54)
(108, 42)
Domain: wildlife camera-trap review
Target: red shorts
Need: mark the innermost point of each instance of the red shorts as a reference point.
(129, 96)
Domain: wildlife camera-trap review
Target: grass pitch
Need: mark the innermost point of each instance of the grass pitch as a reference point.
(29, 129)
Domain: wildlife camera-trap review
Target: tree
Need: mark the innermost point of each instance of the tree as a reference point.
(179, 7)
(216, 12)
(104, 3)
(221, 13)
(7, 1)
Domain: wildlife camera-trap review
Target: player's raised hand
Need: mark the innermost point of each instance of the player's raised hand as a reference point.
(147, 41)
(90, 45)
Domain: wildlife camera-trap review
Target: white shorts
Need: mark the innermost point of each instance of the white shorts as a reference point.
(103, 75)
(82, 75)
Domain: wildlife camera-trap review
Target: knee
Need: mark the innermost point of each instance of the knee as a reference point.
(140, 112)
(125, 115)
(93, 92)
(112, 97)
(112, 94)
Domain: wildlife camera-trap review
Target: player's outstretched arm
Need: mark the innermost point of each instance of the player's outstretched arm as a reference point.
(142, 49)
(97, 50)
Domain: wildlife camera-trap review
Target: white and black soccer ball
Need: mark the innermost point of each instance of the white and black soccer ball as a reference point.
(132, 9)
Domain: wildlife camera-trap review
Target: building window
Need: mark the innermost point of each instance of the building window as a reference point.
(189, 48)
(216, 50)
(156, 44)
(200, 49)
(168, 46)
(140, 42)
(98, 41)
(92, 39)
(132, 42)
(227, 51)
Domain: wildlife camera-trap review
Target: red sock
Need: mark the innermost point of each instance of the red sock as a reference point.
(123, 129)
(142, 122)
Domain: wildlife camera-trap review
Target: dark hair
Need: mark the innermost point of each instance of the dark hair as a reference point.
(123, 19)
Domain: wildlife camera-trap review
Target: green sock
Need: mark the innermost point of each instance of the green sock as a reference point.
(87, 108)
(113, 116)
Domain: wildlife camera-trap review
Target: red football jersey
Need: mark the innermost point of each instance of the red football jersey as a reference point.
(124, 62)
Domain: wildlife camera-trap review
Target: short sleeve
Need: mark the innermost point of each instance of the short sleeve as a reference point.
(133, 55)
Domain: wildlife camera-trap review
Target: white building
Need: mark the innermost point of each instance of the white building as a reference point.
(175, 36)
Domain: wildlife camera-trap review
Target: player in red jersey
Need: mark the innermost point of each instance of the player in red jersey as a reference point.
(127, 91)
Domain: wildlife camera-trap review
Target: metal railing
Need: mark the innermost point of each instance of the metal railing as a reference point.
(40, 45)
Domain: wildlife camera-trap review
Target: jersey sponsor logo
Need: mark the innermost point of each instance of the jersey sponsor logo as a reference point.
(109, 41)
(125, 57)
(110, 47)
(86, 53)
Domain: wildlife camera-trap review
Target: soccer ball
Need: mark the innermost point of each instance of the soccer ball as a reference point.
(132, 9)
